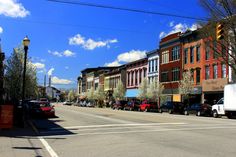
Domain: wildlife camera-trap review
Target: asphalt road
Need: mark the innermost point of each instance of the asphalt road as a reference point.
(95, 132)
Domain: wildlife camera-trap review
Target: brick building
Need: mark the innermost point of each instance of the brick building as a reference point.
(135, 72)
(171, 65)
(2, 57)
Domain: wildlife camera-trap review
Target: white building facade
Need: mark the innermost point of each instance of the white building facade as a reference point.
(153, 66)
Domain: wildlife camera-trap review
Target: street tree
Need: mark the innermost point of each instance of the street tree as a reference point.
(186, 85)
(119, 91)
(142, 90)
(71, 95)
(14, 73)
(223, 43)
(90, 94)
(100, 96)
(154, 91)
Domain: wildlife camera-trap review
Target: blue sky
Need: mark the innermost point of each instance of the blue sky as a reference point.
(67, 38)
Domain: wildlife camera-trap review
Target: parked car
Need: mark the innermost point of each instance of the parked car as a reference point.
(172, 107)
(82, 103)
(132, 106)
(148, 106)
(43, 99)
(67, 103)
(41, 109)
(119, 105)
(90, 103)
(198, 109)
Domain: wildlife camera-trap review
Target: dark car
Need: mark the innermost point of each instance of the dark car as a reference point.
(198, 109)
(119, 105)
(132, 106)
(41, 109)
(172, 107)
(148, 106)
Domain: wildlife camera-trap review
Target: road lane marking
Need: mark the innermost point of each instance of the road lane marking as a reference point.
(116, 125)
(143, 131)
(48, 147)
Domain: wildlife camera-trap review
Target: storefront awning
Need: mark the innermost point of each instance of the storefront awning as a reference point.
(131, 93)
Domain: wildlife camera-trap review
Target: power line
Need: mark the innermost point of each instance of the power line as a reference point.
(127, 9)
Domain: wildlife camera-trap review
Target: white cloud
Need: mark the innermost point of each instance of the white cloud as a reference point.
(1, 30)
(130, 56)
(50, 71)
(66, 53)
(56, 80)
(12, 8)
(112, 64)
(39, 65)
(180, 27)
(90, 44)
(171, 24)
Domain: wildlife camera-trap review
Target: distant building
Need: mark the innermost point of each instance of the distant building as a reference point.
(135, 72)
(153, 66)
(53, 93)
(112, 78)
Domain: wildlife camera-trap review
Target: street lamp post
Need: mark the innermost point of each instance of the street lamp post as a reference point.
(26, 42)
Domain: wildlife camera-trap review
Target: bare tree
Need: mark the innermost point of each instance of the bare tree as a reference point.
(223, 11)
(186, 85)
(90, 94)
(13, 76)
(119, 91)
(71, 95)
(154, 91)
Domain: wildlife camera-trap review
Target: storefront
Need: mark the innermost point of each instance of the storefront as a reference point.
(213, 90)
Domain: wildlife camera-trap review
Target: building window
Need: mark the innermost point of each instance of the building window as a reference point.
(165, 57)
(207, 57)
(215, 71)
(198, 53)
(136, 77)
(223, 71)
(140, 76)
(132, 78)
(153, 65)
(149, 67)
(164, 76)
(156, 65)
(185, 56)
(175, 53)
(207, 72)
(223, 50)
(175, 74)
(198, 76)
(144, 72)
(128, 79)
(191, 54)
(192, 74)
(215, 54)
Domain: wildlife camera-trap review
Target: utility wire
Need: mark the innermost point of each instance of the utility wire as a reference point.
(126, 9)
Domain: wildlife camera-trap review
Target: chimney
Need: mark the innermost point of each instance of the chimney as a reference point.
(49, 81)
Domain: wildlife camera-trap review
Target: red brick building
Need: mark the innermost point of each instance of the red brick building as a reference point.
(171, 64)
(209, 71)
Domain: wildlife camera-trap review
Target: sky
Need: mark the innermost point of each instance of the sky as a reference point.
(67, 38)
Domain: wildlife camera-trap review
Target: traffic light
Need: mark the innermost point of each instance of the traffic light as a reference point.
(219, 31)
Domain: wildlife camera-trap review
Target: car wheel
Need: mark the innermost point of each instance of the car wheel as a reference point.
(170, 111)
(130, 109)
(186, 112)
(215, 114)
(160, 110)
(198, 113)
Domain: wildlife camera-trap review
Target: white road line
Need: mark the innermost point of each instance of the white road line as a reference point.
(116, 125)
(48, 147)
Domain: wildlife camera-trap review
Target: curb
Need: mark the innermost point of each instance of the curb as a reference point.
(33, 127)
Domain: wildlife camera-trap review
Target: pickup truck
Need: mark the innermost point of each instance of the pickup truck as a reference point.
(227, 105)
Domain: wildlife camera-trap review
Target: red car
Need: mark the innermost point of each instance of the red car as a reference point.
(41, 109)
(148, 106)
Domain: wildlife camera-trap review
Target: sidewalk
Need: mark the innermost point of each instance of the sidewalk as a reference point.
(21, 142)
